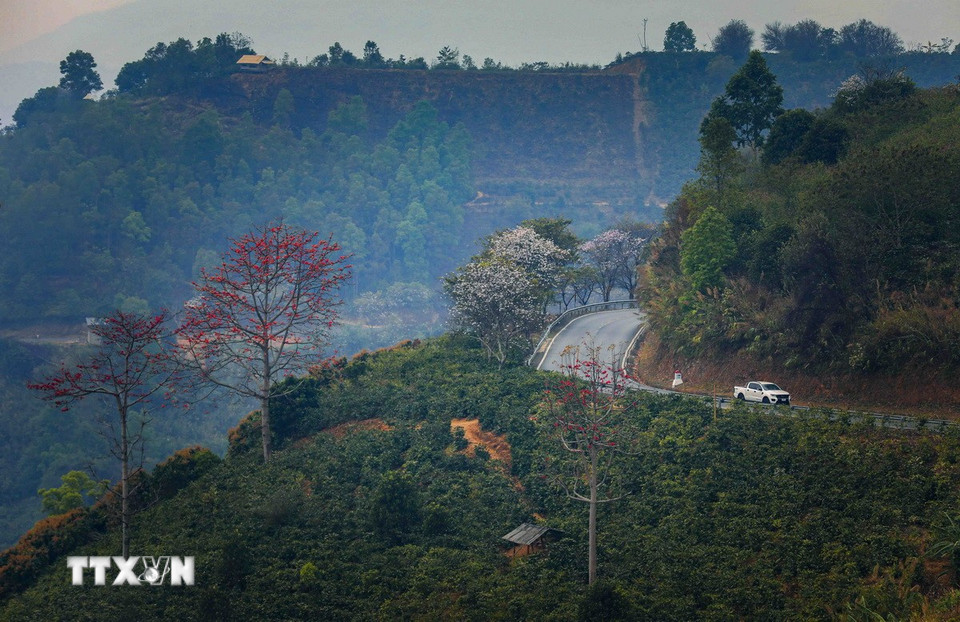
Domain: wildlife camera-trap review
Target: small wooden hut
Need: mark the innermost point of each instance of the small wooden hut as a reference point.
(255, 62)
(527, 539)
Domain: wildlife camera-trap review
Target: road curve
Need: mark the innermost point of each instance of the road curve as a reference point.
(604, 328)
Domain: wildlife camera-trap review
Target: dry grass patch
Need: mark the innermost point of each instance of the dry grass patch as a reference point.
(339, 431)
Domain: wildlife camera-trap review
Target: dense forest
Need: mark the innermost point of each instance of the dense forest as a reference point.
(373, 508)
(119, 205)
(832, 245)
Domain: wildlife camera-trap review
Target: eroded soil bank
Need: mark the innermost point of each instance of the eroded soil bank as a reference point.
(909, 394)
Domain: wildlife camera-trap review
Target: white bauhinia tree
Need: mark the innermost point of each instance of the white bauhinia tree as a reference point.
(614, 255)
(502, 294)
(497, 301)
(540, 257)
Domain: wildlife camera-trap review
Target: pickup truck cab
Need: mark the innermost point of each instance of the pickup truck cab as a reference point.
(764, 392)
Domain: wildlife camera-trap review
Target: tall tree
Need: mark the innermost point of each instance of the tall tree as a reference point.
(557, 230)
(864, 39)
(372, 56)
(804, 40)
(76, 489)
(614, 256)
(498, 302)
(585, 412)
(751, 101)
(577, 284)
(719, 161)
(773, 36)
(707, 248)
(79, 75)
(448, 58)
(787, 134)
(338, 56)
(129, 367)
(734, 39)
(264, 313)
(679, 38)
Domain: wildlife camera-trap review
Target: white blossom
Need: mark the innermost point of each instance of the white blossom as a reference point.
(497, 301)
(614, 254)
(524, 247)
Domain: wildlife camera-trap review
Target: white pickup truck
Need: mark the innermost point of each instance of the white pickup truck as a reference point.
(765, 392)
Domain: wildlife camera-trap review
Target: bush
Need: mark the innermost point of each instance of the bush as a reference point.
(46, 541)
(183, 467)
(245, 437)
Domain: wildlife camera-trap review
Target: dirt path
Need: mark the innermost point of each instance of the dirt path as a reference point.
(496, 445)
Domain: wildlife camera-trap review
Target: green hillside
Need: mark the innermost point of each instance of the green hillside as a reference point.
(843, 244)
(839, 246)
(118, 202)
(369, 511)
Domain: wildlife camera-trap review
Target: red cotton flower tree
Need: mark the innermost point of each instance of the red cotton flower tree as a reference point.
(264, 313)
(585, 412)
(129, 367)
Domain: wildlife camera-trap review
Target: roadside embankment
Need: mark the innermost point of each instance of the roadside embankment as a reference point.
(912, 393)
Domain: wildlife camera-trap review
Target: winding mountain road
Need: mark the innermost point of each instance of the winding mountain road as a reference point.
(615, 332)
(620, 329)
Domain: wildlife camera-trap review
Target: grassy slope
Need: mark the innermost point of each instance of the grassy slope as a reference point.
(787, 194)
(742, 517)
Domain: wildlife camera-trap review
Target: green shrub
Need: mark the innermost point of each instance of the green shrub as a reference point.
(183, 467)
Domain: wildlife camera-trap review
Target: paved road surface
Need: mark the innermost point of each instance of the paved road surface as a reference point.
(617, 328)
(604, 328)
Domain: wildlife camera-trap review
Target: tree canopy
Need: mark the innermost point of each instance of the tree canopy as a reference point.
(840, 251)
(751, 101)
(679, 38)
(263, 314)
(79, 75)
(734, 39)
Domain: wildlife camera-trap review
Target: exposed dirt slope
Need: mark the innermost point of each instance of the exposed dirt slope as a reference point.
(496, 445)
(343, 429)
(907, 394)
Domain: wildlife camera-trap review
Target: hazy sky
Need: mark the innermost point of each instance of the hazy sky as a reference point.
(22, 20)
(510, 31)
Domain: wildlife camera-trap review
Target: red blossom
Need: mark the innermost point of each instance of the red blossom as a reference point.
(266, 309)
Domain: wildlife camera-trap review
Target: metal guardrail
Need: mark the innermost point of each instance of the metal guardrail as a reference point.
(883, 420)
(570, 315)
(880, 420)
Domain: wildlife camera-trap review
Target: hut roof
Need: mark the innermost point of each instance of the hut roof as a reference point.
(528, 534)
(254, 59)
